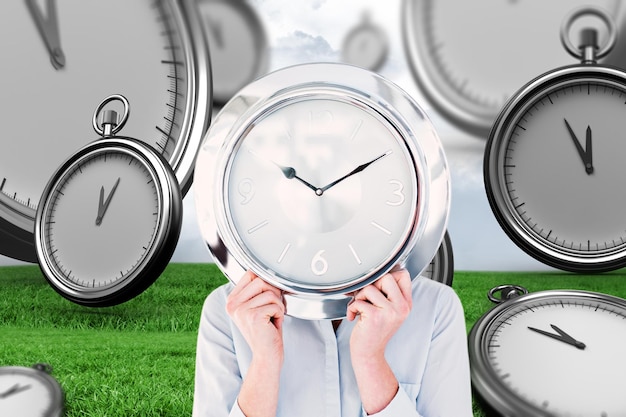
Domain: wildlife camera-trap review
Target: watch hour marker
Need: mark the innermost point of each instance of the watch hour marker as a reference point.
(356, 256)
(356, 129)
(284, 252)
(379, 227)
(258, 226)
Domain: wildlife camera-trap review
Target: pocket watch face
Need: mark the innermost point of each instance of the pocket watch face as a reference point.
(320, 178)
(107, 214)
(556, 353)
(321, 191)
(553, 169)
(69, 59)
(469, 58)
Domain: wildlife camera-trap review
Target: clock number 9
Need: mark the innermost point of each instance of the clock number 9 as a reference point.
(319, 265)
(246, 190)
(397, 192)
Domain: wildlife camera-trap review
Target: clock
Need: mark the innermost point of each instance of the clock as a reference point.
(469, 58)
(366, 45)
(238, 45)
(66, 56)
(441, 268)
(552, 165)
(320, 178)
(30, 392)
(109, 218)
(551, 353)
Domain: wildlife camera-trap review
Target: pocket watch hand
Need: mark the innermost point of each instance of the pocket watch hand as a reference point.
(354, 171)
(570, 339)
(14, 390)
(49, 30)
(560, 337)
(102, 208)
(585, 154)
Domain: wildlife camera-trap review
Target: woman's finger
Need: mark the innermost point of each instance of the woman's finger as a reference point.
(373, 295)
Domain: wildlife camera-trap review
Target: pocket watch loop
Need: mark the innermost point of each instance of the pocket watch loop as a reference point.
(507, 292)
(588, 51)
(109, 123)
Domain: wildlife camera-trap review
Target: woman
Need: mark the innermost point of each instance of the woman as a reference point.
(401, 351)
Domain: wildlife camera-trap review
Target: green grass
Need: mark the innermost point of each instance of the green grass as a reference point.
(137, 358)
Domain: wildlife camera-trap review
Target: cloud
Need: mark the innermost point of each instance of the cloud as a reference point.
(300, 47)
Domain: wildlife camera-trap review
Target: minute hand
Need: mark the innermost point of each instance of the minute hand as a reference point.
(354, 171)
(586, 154)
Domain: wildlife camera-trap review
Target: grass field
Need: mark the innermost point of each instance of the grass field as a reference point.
(137, 358)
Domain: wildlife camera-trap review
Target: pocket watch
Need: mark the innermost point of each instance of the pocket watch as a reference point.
(366, 45)
(238, 45)
(30, 392)
(64, 57)
(551, 353)
(109, 218)
(320, 178)
(553, 162)
(469, 58)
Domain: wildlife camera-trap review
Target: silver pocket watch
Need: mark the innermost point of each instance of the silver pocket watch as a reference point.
(109, 218)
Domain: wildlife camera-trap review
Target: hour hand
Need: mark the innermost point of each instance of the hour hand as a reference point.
(289, 173)
(586, 154)
(103, 206)
(561, 336)
(14, 390)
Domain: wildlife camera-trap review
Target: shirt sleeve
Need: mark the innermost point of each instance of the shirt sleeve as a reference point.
(217, 378)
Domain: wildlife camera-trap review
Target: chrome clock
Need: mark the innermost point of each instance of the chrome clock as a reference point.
(321, 178)
(109, 218)
(553, 163)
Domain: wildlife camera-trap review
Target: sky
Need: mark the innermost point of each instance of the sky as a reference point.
(313, 31)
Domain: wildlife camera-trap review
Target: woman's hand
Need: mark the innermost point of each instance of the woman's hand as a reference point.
(258, 311)
(380, 309)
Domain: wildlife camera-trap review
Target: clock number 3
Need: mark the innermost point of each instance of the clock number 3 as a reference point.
(397, 192)
(319, 265)
(246, 190)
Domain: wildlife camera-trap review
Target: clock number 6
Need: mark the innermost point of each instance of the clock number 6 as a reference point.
(246, 190)
(397, 192)
(319, 265)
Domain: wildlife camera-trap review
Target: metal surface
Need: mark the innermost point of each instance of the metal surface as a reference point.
(156, 56)
(357, 90)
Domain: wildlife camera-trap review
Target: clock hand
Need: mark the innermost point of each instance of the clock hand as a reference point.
(14, 390)
(562, 336)
(354, 171)
(102, 208)
(289, 173)
(585, 154)
(49, 30)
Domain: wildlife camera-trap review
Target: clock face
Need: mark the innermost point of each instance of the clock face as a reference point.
(469, 58)
(166, 85)
(559, 353)
(25, 394)
(320, 191)
(105, 216)
(553, 173)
